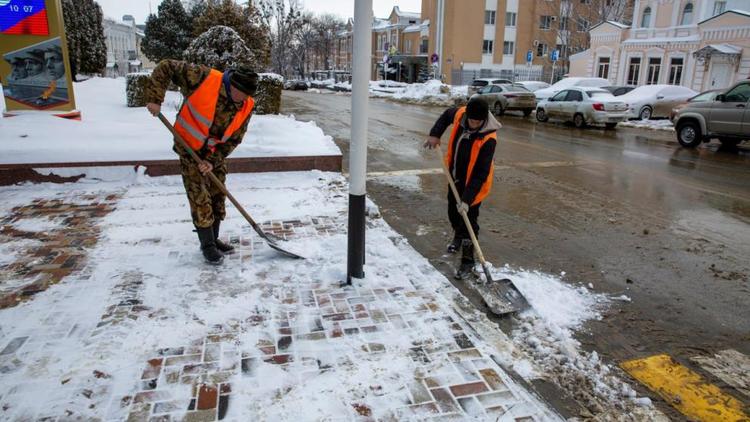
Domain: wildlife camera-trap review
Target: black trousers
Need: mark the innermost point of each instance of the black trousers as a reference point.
(457, 222)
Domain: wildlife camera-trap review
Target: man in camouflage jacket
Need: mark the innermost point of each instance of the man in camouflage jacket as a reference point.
(206, 200)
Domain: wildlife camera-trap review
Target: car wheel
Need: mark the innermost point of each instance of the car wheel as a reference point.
(610, 126)
(645, 113)
(527, 112)
(579, 121)
(541, 115)
(689, 134)
(498, 109)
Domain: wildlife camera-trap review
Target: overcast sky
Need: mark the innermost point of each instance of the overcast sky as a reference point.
(343, 8)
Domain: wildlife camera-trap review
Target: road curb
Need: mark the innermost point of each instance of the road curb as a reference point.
(26, 172)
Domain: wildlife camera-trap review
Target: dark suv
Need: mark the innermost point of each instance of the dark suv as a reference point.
(726, 118)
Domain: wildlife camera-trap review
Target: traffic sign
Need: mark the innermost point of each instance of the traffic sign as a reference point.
(555, 55)
(529, 56)
(434, 58)
(386, 59)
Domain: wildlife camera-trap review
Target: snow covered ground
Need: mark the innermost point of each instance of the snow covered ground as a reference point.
(432, 92)
(279, 334)
(110, 131)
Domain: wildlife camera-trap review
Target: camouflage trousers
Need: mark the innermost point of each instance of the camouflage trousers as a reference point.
(206, 200)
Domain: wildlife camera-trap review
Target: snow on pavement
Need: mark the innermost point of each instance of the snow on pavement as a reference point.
(147, 329)
(111, 131)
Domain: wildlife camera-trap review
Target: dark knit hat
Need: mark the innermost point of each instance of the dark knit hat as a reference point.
(477, 109)
(245, 80)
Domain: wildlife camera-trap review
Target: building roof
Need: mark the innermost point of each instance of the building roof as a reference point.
(735, 11)
(413, 28)
(617, 24)
(723, 48)
(398, 11)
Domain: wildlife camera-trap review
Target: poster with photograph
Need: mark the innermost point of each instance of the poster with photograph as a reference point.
(37, 78)
(34, 64)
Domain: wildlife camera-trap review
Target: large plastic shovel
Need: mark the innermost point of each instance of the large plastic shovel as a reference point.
(501, 296)
(269, 238)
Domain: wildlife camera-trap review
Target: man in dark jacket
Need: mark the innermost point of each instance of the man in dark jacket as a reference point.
(469, 158)
(213, 120)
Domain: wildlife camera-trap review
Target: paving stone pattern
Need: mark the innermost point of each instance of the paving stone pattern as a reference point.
(55, 254)
(455, 379)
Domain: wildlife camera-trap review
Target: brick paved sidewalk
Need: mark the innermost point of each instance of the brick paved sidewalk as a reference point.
(131, 325)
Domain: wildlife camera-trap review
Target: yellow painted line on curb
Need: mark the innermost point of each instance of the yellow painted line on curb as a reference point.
(687, 391)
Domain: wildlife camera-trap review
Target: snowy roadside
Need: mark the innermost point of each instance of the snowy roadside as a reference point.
(432, 92)
(280, 337)
(110, 131)
(661, 125)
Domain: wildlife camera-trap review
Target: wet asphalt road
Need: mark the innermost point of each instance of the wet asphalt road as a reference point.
(628, 211)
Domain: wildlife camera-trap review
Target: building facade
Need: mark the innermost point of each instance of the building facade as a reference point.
(700, 44)
(122, 47)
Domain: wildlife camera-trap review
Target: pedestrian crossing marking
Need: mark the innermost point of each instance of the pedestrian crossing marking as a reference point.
(685, 390)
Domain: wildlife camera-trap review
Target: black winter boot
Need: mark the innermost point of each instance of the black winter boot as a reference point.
(455, 245)
(223, 247)
(208, 245)
(466, 269)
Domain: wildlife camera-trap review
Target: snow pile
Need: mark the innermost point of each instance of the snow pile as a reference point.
(273, 76)
(662, 125)
(432, 92)
(546, 336)
(110, 131)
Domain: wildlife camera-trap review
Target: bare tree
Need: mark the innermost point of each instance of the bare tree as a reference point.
(284, 17)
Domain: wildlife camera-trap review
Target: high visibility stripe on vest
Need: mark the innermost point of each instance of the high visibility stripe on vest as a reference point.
(474, 155)
(197, 113)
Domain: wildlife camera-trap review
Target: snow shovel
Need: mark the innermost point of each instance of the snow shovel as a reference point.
(269, 238)
(501, 296)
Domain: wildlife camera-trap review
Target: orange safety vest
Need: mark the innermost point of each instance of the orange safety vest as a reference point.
(475, 148)
(197, 114)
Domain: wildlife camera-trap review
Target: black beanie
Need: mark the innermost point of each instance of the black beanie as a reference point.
(245, 80)
(477, 109)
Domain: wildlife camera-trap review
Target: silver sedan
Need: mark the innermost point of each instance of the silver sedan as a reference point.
(583, 106)
(507, 97)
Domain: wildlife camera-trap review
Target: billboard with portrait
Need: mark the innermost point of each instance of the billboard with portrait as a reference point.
(34, 68)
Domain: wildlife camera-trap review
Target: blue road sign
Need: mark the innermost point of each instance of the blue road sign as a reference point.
(555, 55)
(529, 56)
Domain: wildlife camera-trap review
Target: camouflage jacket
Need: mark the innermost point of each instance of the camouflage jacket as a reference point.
(188, 78)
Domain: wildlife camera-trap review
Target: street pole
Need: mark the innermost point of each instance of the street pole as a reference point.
(358, 142)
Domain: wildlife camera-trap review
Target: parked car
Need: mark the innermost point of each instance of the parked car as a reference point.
(726, 118)
(502, 98)
(619, 90)
(534, 86)
(703, 96)
(566, 83)
(583, 106)
(483, 82)
(296, 85)
(649, 101)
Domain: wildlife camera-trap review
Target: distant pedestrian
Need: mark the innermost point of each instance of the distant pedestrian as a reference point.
(469, 158)
(213, 120)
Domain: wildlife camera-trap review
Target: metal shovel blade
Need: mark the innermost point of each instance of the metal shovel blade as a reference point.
(501, 296)
(278, 248)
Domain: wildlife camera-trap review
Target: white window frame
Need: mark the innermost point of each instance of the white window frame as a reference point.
(490, 17)
(643, 17)
(510, 19)
(488, 47)
(650, 81)
(512, 46)
(637, 80)
(681, 67)
(603, 68)
(686, 19)
(545, 22)
(720, 6)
